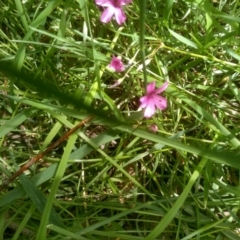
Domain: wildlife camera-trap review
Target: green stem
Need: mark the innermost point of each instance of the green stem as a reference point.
(142, 6)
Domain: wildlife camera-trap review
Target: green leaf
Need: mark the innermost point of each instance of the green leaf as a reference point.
(166, 220)
(47, 213)
(232, 53)
(15, 121)
(39, 200)
(167, 11)
(49, 172)
(183, 39)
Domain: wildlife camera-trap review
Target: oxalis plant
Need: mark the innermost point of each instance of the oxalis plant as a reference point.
(119, 119)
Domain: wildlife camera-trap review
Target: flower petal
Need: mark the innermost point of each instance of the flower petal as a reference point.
(125, 2)
(117, 64)
(151, 101)
(161, 89)
(144, 101)
(150, 87)
(120, 15)
(104, 3)
(149, 110)
(160, 102)
(107, 14)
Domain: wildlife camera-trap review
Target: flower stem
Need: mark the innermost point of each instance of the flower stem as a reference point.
(142, 6)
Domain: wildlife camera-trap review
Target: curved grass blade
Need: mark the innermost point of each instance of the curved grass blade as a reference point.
(41, 234)
(39, 200)
(48, 173)
(178, 204)
(183, 39)
(17, 120)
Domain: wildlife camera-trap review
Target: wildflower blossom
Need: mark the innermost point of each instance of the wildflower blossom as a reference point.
(113, 7)
(152, 100)
(153, 128)
(117, 64)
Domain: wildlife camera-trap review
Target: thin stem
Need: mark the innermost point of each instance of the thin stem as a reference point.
(42, 154)
(142, 5)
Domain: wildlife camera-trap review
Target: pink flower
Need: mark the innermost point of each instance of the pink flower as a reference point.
(153, 128)
(113, 7)
(117, 64)
(152, 101)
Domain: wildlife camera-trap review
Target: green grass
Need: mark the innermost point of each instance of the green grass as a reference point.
(114, 178)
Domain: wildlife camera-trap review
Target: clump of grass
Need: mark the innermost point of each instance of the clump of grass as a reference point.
(115, 178)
